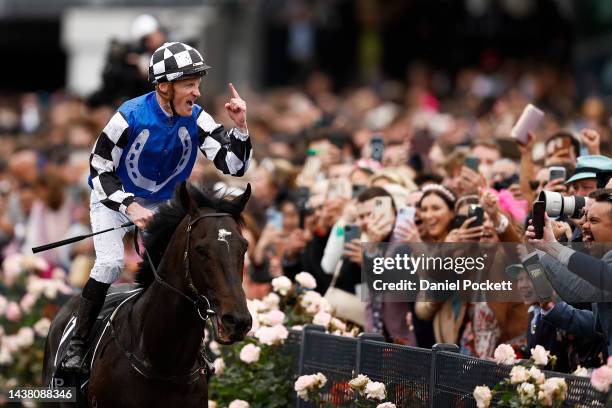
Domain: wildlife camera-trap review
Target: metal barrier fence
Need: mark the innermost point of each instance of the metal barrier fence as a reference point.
(415, 377)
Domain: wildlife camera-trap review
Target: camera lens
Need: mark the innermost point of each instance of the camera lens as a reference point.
(557, 204)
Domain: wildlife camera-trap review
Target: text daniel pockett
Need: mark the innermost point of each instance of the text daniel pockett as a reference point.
(424, 284)
(412, 264)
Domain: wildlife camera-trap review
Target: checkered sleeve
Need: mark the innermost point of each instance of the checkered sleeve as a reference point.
(104, 161)
(230, 151)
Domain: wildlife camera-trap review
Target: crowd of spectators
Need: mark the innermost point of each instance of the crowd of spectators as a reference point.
(317, 168)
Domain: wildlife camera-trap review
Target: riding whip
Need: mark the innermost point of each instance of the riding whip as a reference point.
(77, 238)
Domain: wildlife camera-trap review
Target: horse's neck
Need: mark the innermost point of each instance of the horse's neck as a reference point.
(170, 330)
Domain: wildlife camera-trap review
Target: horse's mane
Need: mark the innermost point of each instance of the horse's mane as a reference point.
(166, 220)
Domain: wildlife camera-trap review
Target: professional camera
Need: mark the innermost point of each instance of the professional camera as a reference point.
(557, 204)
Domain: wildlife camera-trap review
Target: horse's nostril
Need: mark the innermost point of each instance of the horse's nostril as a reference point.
(236, 322)
(228, 320)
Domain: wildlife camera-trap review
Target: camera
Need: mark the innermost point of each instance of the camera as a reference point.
(557, 204)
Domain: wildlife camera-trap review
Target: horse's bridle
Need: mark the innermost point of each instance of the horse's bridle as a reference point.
(204, 364)
(199, 301)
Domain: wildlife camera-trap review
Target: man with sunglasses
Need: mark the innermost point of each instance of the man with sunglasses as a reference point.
(577, 276)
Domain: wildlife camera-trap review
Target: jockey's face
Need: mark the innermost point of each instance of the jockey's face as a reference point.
(185, 94)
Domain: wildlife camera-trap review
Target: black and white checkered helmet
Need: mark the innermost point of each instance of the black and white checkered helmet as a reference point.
(174, 60)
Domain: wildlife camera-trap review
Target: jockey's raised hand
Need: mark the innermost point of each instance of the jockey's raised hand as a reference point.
(236, 109)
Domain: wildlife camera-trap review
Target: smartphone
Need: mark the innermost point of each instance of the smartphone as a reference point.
(472, 162)
(528, 121)
(556, 172)
(338, 188)
(404, 214)
(476, 211)
(358, 189)
(351, 232)
(382, 205)
(458, 221)
(377, 144)
(274, 218)
(537, 217)
(535, 270)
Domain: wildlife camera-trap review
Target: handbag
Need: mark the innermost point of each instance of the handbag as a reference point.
(345, 305)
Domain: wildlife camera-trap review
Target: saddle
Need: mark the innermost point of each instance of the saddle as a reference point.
(117, 295)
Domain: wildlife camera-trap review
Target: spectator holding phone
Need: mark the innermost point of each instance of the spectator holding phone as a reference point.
(580, 275)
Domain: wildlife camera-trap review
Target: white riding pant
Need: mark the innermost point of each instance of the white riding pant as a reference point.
(109, 246)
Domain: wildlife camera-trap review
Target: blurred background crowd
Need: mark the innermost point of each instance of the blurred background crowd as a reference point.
(353, 101)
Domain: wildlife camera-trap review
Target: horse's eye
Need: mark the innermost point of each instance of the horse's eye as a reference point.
(201, 250)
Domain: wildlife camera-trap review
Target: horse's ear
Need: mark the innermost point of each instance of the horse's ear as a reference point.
(243, 199)
(185, 198)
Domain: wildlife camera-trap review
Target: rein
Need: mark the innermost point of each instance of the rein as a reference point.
(204, 365)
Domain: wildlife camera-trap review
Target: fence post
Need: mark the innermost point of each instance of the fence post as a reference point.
(432, 375)
(362, 337)
(305, 330)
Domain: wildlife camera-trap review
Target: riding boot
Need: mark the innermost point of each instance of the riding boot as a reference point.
(92, 300)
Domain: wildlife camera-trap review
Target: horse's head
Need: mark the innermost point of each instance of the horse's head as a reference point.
(216, 251)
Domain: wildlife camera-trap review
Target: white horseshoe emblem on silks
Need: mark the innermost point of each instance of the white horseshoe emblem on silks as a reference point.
(134, 155)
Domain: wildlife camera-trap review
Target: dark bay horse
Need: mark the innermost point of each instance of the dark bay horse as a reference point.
(149, 356)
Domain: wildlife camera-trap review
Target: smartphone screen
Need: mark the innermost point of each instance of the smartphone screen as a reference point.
(535, 270)
(377, 146)
(539, 207)
(478, 212)
(556, 173)
(472, 162)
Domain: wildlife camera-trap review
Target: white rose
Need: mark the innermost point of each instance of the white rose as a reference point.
(504, 354)
(51, 289)
(540, 355)
(537, 375)
(386, 405)
(375, 390)
(250, 353)
(601, 378)
(526, 392)
(256, 306)
(212, 404)
(5, 356)
(482, 395)
(338, 324)
(271, 301)
(359, 383)
(519, 374)
(581, 372)
(306, 280)
(237, 403)
(553, 389)
(309, 299)
(219, 365)
(27, 302)
(13, 312)
(309, 383)
(272, 318)
(25, 337)
(42, 326)
(282, 285)
(272, 335)
(3, 304)
(297, 327)
(322, 318)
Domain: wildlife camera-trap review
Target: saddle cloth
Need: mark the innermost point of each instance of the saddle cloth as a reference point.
(117, 295)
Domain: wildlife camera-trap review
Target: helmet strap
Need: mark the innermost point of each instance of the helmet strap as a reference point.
(169, 96)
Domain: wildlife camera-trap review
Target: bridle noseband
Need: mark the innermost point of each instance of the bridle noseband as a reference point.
(198, 300)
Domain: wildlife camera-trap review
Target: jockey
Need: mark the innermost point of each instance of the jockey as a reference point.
(147, 147)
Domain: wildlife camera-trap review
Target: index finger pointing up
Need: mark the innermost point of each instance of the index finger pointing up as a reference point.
(233, 91)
